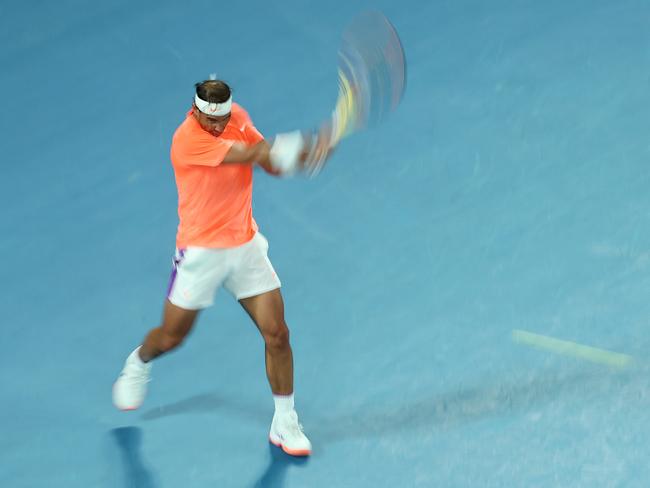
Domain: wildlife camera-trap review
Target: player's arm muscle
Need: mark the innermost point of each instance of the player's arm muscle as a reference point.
(240, 153)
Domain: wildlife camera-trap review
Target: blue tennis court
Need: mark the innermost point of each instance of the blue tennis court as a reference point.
(509, 191)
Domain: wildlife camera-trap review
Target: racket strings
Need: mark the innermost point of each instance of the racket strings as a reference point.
(372, 74)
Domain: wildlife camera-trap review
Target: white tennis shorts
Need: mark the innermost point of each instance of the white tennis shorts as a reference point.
(198, 272)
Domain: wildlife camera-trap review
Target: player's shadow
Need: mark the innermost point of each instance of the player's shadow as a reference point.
(207, 403)
(438, 411)
(135, 473)
(275, 473)
(468, 405)
(279, 462)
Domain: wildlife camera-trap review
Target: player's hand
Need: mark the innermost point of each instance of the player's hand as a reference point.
(318, 149)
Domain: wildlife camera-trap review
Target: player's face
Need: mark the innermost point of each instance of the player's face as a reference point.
(213, 125)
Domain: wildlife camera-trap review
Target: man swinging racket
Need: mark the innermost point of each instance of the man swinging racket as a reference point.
(218, 244)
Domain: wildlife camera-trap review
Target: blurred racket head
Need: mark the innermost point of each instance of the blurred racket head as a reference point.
(371, 72)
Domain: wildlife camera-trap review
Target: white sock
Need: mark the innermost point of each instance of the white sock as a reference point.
(283, 403)
(136, 356)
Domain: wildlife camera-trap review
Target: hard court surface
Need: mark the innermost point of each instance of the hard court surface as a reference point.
(510, 191)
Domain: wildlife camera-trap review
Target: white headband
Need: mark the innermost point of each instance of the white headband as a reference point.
(213, 109)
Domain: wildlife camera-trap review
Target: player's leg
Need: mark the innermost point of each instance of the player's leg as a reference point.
(267, 311)
(176, 325)
(130, 388)
(256, 286)
(195, 277)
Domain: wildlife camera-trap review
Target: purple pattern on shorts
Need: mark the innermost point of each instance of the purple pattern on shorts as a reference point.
(178, 257)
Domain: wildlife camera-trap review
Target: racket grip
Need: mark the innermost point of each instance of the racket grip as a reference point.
(321, 146)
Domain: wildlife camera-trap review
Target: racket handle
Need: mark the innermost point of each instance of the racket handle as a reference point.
(320, 148)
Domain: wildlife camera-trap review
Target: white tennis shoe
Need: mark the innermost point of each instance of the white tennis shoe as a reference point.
(131, 386)
(287, 433)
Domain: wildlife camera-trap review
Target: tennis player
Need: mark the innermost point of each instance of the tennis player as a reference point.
(218, 244)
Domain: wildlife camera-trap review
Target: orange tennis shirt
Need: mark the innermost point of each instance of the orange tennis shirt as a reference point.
(214, 199)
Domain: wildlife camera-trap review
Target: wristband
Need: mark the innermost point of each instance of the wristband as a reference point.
(285, 152)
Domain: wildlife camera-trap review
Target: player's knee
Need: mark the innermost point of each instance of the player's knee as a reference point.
(276, 335)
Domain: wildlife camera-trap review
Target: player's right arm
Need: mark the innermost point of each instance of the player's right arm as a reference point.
(288, 153)
(241, 153)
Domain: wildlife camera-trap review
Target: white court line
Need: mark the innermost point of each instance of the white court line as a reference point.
(573, 349)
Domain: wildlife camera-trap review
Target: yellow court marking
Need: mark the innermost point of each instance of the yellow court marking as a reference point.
(573, 349)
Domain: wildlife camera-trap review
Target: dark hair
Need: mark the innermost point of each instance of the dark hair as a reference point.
(213, 91)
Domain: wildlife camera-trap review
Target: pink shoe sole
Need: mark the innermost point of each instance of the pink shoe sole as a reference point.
(129, 409)
(291, 452)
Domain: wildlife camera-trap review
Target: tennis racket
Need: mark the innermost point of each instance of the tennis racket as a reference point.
(371, 80)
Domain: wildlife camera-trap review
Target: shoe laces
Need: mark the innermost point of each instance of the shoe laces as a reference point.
(292, 423)
(137, 375)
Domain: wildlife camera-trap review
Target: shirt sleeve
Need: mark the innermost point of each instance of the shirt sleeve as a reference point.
(253, 136)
